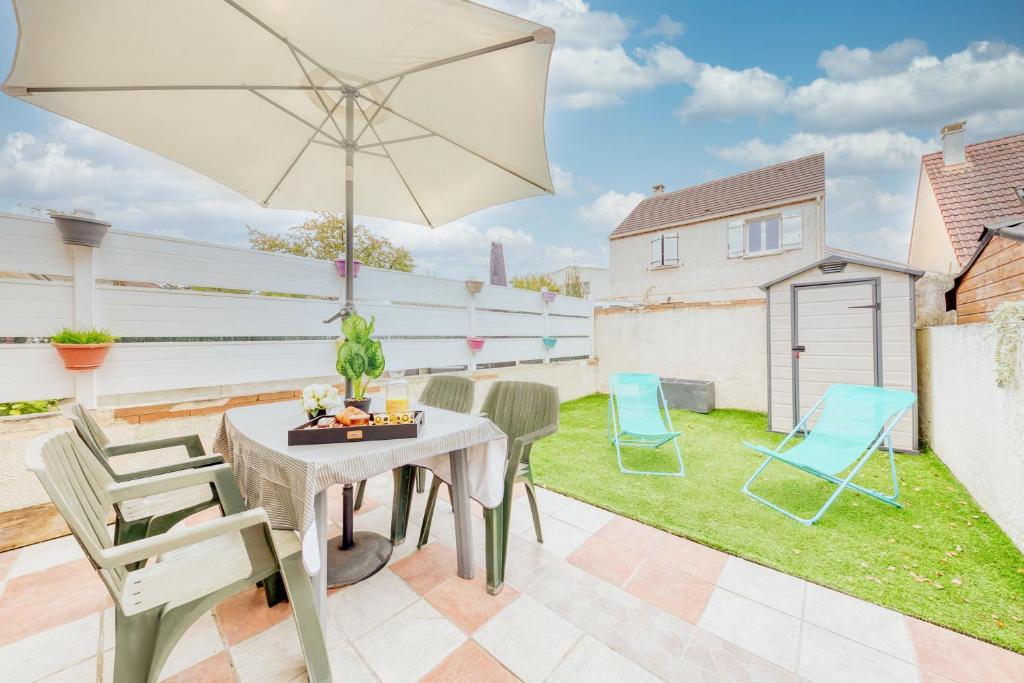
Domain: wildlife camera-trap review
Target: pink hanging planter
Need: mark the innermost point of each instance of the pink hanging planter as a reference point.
(341, 264)
(475, 343)
(548, 296)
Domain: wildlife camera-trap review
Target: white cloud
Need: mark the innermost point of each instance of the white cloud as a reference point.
(874, 152)
(846, 64)
(928, 92)
(665, 27)
(598, 77)
(575, 24)
(722, 93)
(564, 181)
(608, 210)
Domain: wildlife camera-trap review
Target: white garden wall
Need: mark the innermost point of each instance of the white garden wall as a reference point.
(976, 428)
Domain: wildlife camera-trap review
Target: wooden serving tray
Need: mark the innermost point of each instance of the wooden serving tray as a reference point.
(305, 435)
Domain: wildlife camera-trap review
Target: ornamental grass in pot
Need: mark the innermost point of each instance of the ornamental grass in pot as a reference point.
(360, 358)
(82, 349)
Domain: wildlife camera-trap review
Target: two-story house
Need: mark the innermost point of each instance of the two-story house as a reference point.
(721, 240)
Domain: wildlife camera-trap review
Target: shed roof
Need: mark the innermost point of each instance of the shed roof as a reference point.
(768, 186)
(1011, 228)
(849, 258)
(981, 190)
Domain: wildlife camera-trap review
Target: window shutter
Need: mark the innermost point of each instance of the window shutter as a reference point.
(735, 238)
(792, 232)
(656, 251)
(671, 250)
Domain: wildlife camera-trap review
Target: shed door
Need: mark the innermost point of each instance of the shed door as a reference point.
(835, 339)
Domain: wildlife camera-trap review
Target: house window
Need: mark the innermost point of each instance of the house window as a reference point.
(765, 235)
(665, 250)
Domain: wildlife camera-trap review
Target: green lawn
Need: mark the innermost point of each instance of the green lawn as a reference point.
(940, 558)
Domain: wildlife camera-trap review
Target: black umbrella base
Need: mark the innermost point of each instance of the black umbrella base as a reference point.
(368, 554)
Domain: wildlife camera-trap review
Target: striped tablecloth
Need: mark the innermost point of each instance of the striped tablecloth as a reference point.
(284, 479)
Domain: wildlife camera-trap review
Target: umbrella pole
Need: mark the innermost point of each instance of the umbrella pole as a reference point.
(359, 555)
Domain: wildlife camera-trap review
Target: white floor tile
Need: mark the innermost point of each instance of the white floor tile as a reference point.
(766, 586)
(275, 655)
(200, 641)
(595, 662)
(79, 673)
(550, 502)
(858, 620)
(360, 608)
(587, 517)
(560, 539)
(829, 658)
(766, 632)
(51, 651)
(410, 644)
(44, 555)
(528, 638)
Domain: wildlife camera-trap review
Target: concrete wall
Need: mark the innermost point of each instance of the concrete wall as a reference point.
(705, 272)
(976, 428)
(930, 248)
(721, 342)
(596, 277)
(19, 488)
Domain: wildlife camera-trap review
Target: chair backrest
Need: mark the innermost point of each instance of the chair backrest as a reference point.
(90, 433)
(518, 408)
(638, 402)
(449, 392)
(857, 414)
(76, 484)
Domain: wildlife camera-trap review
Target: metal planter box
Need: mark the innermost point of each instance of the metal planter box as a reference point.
(697, 395)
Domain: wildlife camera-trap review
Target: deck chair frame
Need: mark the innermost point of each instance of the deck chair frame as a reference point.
(619, 438)
(885, 436)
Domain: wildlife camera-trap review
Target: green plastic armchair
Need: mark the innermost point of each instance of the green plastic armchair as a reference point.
(526, 412)
(448, 392)
(195, 568)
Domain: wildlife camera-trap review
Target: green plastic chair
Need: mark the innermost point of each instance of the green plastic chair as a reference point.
(638, 416)
(448, 392)
(852, 424)
(526, 412)
(196, 567)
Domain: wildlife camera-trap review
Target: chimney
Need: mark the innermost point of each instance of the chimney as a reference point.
(953, 143)
(658, 189)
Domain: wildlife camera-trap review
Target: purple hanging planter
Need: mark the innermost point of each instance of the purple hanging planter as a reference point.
(475, 343)
(341, 263)
(548, 296)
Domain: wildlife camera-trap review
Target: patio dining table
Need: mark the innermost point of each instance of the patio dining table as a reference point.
(291, 482)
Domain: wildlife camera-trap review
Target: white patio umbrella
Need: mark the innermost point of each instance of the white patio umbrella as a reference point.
(415, 110)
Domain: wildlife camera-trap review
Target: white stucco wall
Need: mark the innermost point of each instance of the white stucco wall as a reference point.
(724, 343)
(597, 277)
(974, 427)
(705, 272)
(930, 247)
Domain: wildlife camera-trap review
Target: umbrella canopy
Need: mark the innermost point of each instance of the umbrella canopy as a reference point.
(434, 107)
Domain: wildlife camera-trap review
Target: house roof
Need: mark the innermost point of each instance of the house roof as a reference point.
(763, 187)
(849, 258)
(979, 191)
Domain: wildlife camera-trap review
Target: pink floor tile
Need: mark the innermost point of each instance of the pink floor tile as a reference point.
(637, 537)
(6, 561)
(961, 658)
(469, 663)
(242, 616)
(428, 568)
(216, 669)
(674, 591)
(612, 562)
(693, 558)
(467, 603)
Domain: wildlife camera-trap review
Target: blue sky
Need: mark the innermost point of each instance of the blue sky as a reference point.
(640, 93)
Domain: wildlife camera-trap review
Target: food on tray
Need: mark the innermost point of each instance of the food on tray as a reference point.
(390, 418)
(353, 417)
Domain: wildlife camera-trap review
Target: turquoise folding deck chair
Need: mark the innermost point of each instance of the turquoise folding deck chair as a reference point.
(853, 423)
(638, 416)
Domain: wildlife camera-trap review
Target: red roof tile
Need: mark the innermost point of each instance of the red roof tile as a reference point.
(979, 191)
(761, 187)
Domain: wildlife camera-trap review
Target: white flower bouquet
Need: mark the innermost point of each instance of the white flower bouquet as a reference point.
(318, 399)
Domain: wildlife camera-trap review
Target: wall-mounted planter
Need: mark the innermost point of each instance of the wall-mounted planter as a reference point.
(79, 357)
(548, 296)
(80, 229)
(475, 343)
(341, 265)
(550, 342)
(474, 286)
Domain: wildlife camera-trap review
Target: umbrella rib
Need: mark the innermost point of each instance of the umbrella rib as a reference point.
(454, 58)
(302, 151)
(373, 118)
(397, 170)
(457, 144)
(168, 88)
(316, 91)
(397, 140)
(296, 116)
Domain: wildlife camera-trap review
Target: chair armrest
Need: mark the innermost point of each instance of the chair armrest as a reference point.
(193, 445)
(137, 551)
(218, 475)
(190, 464)
(521, 443)
(764, 450)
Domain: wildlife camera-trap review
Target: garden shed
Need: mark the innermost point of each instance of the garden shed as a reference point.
(844, 319)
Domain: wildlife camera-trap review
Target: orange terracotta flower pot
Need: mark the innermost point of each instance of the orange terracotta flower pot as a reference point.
(82, 356)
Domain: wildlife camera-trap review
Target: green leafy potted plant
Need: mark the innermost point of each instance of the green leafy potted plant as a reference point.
(360, 358)
(82, 349)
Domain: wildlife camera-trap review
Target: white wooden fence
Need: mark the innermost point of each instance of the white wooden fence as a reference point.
(137, 286)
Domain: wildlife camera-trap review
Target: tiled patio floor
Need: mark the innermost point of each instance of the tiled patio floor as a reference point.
(603, 599)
